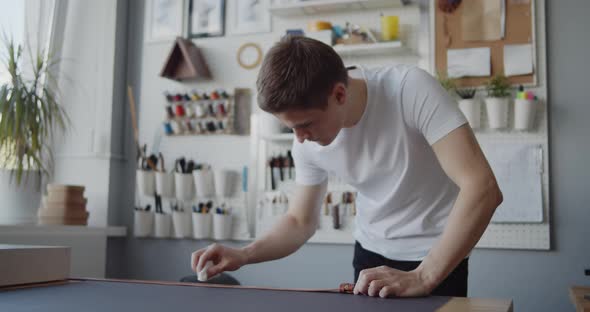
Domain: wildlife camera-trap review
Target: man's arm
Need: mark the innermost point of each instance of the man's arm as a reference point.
(286, 236)
(463, 161)
(293, 229)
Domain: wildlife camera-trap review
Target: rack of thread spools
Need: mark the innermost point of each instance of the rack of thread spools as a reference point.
(276, 190)
(199, 113)
(193, 200)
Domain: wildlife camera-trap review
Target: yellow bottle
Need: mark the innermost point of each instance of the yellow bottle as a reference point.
(389, 27)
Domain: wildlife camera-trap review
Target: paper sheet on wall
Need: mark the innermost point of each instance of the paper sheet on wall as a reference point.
(481, 20)
(518, 169)
(474, 62)
(518, 59)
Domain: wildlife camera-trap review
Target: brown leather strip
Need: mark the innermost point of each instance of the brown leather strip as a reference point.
(344, 288)
(32, 285)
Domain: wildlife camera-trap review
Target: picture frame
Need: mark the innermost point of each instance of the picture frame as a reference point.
(206, 18)
(248, 16)
(164, 20)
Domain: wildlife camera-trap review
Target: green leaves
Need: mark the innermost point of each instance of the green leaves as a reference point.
(446, 82)
(29, 113)
(466, 93)
(498, 87)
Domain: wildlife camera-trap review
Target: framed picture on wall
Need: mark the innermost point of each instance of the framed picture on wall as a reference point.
(248, 16)
(164, 20)
(206, 18)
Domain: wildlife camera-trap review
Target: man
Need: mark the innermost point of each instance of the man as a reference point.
(425, 190)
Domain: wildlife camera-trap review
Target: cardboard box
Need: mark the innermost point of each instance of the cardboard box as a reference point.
(23, 264)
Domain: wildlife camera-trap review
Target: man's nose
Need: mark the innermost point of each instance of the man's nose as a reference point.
(301, 135)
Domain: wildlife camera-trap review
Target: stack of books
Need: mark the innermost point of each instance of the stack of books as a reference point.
(63, 205)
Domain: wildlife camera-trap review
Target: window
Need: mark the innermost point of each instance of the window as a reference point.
(12, 25)
(27, 23)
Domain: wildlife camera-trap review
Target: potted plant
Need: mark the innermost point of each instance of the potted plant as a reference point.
(498, 90)
(470, 106)
(30, 112)
(447, 83)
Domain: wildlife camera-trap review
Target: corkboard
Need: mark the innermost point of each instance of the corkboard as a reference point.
(519, 29)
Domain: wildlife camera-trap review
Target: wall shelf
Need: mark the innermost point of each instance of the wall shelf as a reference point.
(379, 48)
(63, 230)
(298, 8)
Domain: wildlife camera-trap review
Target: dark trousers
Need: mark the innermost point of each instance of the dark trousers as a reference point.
(454, 285)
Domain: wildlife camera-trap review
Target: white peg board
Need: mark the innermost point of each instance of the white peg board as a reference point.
(516, 236)
(520, 235)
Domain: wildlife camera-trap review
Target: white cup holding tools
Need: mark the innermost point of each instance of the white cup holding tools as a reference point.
(181, 222)
(146, 182)
(201, 225)
(165, 184)
(143, 222)
(222, 226)
(524, 114)
(204, 182)
(163, 225)
(185, 186)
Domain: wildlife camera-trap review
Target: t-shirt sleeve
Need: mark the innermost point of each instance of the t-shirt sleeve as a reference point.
(306, 171)
(428, 107)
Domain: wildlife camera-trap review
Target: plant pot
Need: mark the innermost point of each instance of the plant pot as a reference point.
(497, 110)
(165, 184)
(19, 202)
(163, 225)
(146, 181)
(201, 225)
(185, 186)
(524, 114)
(204, 183)
(471, 108)
(222, 226)
(143, 223)
(182, 224)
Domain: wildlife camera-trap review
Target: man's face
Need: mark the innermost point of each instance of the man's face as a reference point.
(316, 125)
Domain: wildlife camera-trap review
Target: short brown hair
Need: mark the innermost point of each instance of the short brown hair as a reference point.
(298, 73)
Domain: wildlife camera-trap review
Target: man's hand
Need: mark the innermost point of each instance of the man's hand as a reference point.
(223, 258)
(385, 282)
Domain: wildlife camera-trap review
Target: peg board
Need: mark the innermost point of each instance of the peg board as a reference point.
(510, 236)
(526, 236)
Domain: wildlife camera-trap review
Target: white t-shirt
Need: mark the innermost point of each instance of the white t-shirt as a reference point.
(404, 196)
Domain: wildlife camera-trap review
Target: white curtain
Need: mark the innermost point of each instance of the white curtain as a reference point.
(44, 28)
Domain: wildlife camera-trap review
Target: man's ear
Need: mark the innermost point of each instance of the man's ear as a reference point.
(339, 92)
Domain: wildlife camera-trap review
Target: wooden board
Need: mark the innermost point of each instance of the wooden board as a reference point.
(577, 294)
(519, 29)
